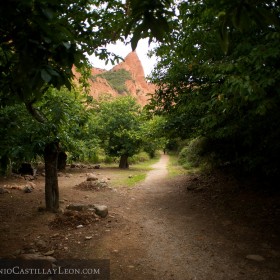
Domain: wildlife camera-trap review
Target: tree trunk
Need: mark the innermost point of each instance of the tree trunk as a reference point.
(124, 162)
(61, 160)
(51, 181)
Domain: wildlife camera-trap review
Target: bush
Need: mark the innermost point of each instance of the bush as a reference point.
(94, 157)
(140, 157)
(108, 159)
(193, 155)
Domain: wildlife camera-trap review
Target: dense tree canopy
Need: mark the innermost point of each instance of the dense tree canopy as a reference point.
(219, 78)
(42, 40)
(65, 121)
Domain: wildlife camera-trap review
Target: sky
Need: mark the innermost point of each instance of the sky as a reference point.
(123, 50)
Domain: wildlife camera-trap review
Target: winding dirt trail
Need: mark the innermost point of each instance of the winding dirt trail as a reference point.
(158, 173)
(159, 230)
(168, 234)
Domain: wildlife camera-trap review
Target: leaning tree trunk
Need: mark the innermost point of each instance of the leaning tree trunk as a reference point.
(51, 181)
(124, 162)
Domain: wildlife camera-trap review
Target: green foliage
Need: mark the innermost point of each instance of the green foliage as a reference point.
(42, 40)
(175, 168)
(198, 154)
(191, 155)
(151, 19)
(66, 121)
(153, 134)
(16, 142)
(117, 123)
(116, 79)
(230, 96)
(140, 157)
(135, 179)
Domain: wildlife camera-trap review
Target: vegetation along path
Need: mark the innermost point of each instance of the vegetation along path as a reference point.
(184, 227)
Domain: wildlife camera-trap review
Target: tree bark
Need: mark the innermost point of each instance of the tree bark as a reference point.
(61, 160)
(124, 162)
(51, 181)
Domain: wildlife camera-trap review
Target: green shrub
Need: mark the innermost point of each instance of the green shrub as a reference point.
(193, 155)
(109, 159)
(94, 157)
(140, 157)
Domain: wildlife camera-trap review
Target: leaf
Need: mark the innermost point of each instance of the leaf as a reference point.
(48, 13)
(45, 76)
(67, 45)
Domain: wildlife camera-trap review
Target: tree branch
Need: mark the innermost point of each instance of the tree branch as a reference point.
(35, 112)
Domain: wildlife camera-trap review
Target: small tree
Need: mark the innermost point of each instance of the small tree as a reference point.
(153, 134)
(64, 128)
(119, 127)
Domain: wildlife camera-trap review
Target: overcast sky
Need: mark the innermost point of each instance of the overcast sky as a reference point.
(123, 50)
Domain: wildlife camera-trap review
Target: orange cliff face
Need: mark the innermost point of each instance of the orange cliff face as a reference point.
(137, 86)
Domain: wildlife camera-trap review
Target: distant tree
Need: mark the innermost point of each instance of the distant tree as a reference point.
(119, 127)
(153, 134)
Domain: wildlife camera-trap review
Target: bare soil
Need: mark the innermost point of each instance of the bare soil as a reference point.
(187, 227)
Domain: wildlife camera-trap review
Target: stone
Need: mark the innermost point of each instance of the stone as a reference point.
(100, 210)
(92, 177)
(79, 226)
(257, 258)
(37, 256)
(102, 184)
(97, 166)
(49, 253)
(77, 207)
(31, 184)
(41, 243)
(27, 189)
(29, 177)
(192, 187)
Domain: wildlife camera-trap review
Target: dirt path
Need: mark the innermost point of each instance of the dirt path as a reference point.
(189, 227)
(168, 234)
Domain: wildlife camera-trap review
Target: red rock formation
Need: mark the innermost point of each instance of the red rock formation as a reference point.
(137, 87)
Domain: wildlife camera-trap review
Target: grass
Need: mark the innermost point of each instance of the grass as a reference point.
(175, 169)
(132, 176)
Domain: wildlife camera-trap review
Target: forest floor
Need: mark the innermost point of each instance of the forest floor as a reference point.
(186, 227)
